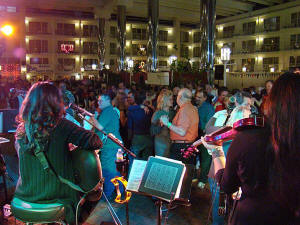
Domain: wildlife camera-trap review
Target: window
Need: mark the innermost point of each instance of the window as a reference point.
(38, 28)
(249, 46)
(38, 46)
(90, 47)
(139, 50)
(294, 61)
(196, 52)
(272, 24)
(162, 50)
(66, 64)
(139, 34)
(89, 62)
(163, 35)
(249, 28)
(113, 32)
(59, 43)
(113, 48)
(197, 37)
(184, 51)
(249, 64)
(39, 61)
(162, 63)
(65, 29)
(271, 44)
(295, 19)
(184, 36)
(111, 62)
(90, 31)
(228, 32)
(271, 62)
(295, 41)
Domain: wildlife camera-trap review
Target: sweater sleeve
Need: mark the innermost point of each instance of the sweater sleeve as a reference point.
(81, 137)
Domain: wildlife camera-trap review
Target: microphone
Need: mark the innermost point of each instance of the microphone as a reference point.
(80, 110)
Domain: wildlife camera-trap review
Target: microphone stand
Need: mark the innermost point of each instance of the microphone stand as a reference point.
(110, 136)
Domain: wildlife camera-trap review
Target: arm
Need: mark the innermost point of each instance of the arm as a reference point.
(81, 137)
(178, 130)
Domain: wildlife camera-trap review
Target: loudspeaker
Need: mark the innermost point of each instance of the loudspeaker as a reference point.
(219, 72)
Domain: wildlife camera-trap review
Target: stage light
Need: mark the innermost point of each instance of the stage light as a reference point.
(7, 30)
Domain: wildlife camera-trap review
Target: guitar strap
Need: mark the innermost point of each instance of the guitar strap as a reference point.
(41, 156)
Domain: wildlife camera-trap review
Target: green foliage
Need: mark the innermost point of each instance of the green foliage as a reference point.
(136, 68)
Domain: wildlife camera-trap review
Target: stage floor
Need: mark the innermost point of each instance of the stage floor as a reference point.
(142, 211)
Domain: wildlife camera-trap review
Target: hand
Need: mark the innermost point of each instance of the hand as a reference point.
(164, 120)
(93, 121)
(212, 149)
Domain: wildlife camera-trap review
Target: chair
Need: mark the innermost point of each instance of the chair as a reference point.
(31, 213)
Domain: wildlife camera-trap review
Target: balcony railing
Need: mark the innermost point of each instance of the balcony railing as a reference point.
(64, 32)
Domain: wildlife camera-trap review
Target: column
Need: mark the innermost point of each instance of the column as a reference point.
(207, 30)
(177, 37)
(101, 42)
(121, 19)
(153, 13)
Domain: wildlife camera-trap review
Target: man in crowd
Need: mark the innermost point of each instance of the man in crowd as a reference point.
(205, 111)
(108, 121)
(220, 105)
(184, 127)
(139, 122)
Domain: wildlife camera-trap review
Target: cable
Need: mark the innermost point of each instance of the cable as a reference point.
(77, 207)
(112, 212)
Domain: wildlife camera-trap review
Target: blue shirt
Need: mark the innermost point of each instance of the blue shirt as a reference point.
(205, 111)
(138, 121)
(110, 121)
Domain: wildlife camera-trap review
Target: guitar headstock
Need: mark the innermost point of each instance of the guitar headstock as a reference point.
(189, 152)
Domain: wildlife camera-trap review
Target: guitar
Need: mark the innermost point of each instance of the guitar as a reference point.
(224, 134)
(88, 172)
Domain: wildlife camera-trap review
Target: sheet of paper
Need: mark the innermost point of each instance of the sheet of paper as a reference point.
(136, 175)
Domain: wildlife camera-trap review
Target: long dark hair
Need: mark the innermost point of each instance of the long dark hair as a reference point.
(40, 112)
(283, 113)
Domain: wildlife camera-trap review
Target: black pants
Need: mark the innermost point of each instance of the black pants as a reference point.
(175, 153)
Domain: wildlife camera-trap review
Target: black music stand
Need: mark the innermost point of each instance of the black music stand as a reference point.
(185, 190)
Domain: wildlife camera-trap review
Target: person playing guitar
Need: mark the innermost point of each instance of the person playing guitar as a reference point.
(43, 128)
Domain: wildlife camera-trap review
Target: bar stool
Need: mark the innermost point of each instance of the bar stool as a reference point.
(32, 213)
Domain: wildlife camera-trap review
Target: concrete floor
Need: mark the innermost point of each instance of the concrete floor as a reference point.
(142, 211)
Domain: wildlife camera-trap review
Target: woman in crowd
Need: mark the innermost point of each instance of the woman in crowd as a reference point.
(265, 162)
(162, 140)
(43, 128)
(268, 88)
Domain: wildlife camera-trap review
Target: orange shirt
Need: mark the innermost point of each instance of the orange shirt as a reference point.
(186, 118)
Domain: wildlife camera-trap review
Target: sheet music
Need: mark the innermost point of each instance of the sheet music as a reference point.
(161, 178)
(136, 175)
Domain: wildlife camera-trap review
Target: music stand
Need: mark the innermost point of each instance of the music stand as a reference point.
(184, 187)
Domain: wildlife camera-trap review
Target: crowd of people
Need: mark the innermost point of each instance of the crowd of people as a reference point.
(158, 120)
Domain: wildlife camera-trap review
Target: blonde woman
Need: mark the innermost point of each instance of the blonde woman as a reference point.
(162, 141)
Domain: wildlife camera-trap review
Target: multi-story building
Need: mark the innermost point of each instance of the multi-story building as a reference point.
(60, 41)
(264, 43)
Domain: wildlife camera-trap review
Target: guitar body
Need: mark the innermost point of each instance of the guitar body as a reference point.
(88, 172)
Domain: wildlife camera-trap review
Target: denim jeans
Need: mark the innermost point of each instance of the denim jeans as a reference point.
(215, 190)
(109, 171)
